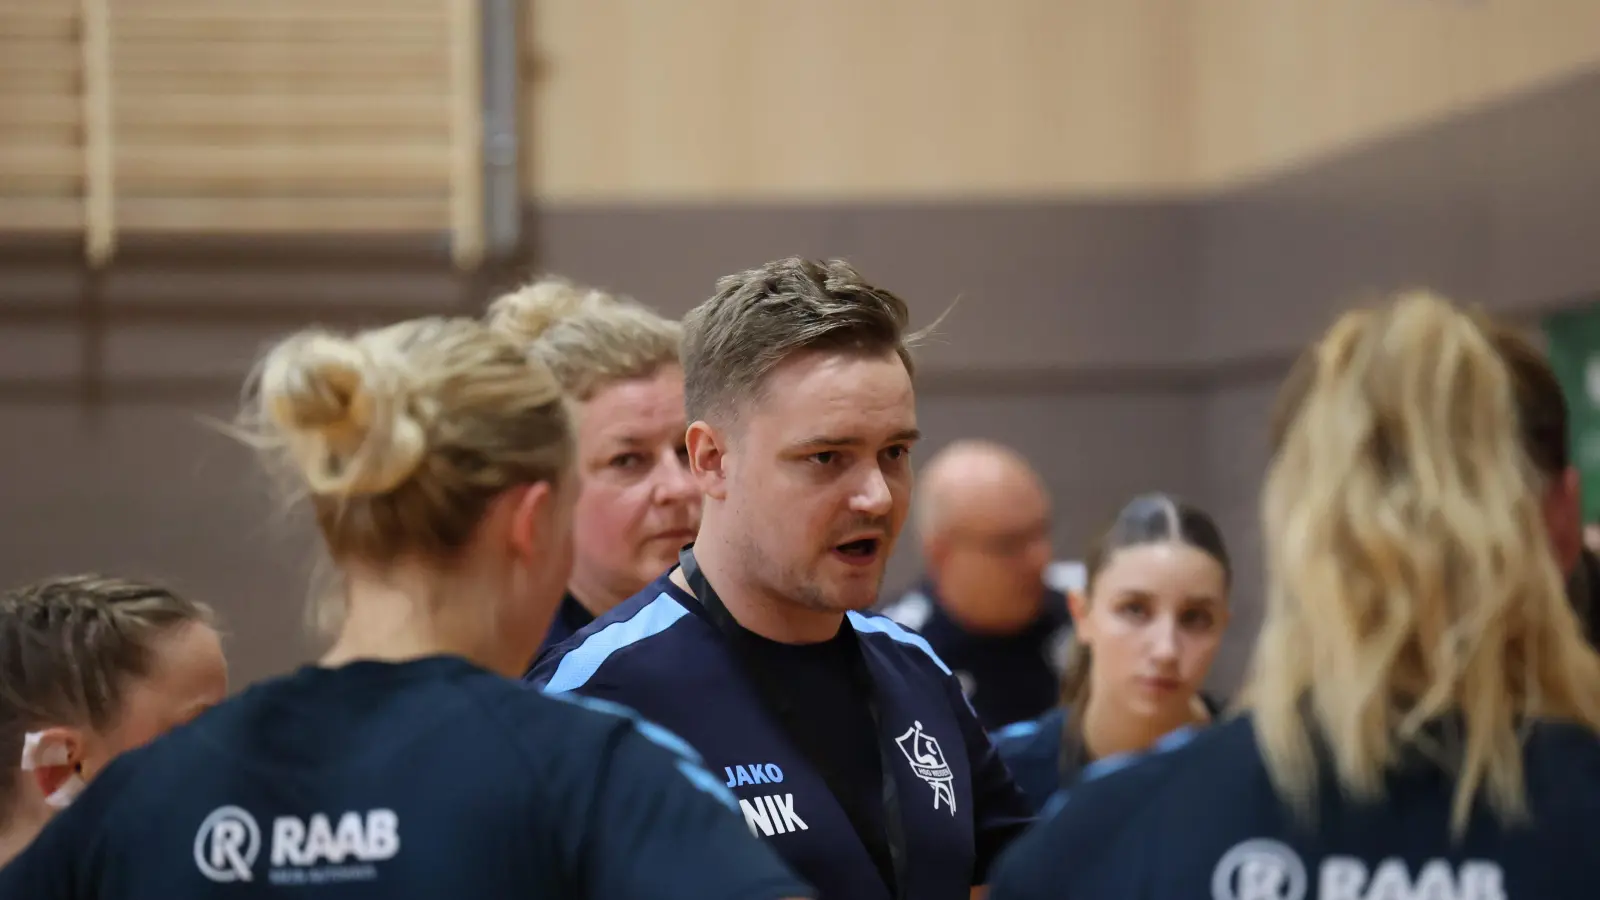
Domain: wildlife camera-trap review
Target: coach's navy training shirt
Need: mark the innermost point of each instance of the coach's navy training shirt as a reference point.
(1203, 821)
(422, 779)
(659, 654)
(1008, 677)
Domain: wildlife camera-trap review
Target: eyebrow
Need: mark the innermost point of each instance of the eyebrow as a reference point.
(907, 436)
(627, 440)
(1200, 599)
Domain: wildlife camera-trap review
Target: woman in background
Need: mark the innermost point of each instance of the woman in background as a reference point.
(1423, 709)
(91, 667)
(1146, 629)
(407, 763)
(637, 506)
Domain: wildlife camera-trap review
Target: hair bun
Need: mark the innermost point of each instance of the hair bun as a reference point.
(528, 312)
(342, 414)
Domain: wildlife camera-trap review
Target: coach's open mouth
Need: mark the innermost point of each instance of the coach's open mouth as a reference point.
(863, 550)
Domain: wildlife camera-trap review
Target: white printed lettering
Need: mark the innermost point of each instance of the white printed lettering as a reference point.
(383, 835)
(756, 815)
(784, 803)
(288, 833)
(771, 814)
(1346, 878)
(374, 837)
(1341, 878)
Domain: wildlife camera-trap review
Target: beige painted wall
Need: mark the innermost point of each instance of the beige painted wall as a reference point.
(730, 100)
(1277, 83)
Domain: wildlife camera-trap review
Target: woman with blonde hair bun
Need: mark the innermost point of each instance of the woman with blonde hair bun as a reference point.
(407, 762)
(637, 505)
(1422, 712)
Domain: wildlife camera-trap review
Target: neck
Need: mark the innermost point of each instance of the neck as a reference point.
(592, 594)
(398, 618)
(756, 609)
(21, 827)
(1108, 730)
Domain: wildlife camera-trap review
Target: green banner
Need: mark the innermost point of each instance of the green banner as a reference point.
(1574, 347)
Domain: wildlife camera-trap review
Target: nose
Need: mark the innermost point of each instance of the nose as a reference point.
(873, 497)
(1164, 640)
(675, 483)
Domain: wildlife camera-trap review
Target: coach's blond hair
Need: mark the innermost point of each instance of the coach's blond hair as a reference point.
(403, 435)
(590, 339)
(1409, 576)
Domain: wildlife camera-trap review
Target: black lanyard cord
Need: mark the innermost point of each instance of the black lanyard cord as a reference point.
(773, 696)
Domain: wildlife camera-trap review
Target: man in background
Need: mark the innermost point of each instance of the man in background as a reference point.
(983, 516)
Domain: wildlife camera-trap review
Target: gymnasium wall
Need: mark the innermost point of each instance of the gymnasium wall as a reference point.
(727, 101)
(1143, 208)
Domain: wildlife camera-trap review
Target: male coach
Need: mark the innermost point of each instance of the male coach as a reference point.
(845, 737)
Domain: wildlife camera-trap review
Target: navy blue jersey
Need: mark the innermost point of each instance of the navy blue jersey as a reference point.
(1034, 753)
(570, 616)
(424, 779)
(1204, 821)
(659, 654)
(1007, 678)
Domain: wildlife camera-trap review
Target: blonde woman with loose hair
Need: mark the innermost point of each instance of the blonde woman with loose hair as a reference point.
(637, 504)
(407, 762)
(1422, 712)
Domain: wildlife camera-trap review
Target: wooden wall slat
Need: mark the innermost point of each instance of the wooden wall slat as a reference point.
(190, 117)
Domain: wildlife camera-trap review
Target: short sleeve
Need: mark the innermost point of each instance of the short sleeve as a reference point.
(662, 827)
(1001, 811)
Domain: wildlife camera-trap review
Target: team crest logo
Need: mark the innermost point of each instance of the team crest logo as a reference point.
(929, 764)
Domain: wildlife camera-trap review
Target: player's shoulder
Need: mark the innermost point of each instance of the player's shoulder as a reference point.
(635, 636)
(1562, 762)
(901, 646)
(1031, 750)
(1042, 734)
(1113, 800)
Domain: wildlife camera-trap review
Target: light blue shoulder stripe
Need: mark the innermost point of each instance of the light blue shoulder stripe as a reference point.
(688, 762)
(582, 661)
(1016, 731)
(880, 625)
(1168, 743)
(708, 783)
(656, 734)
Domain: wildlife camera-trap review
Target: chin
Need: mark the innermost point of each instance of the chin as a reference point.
(851, 599)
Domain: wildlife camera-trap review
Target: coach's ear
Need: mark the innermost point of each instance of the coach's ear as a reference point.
(708, 459)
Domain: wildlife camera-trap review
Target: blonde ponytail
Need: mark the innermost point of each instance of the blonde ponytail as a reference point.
(1410, 580)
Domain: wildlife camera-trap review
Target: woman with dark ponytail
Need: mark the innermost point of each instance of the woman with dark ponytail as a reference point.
(1147, 626)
